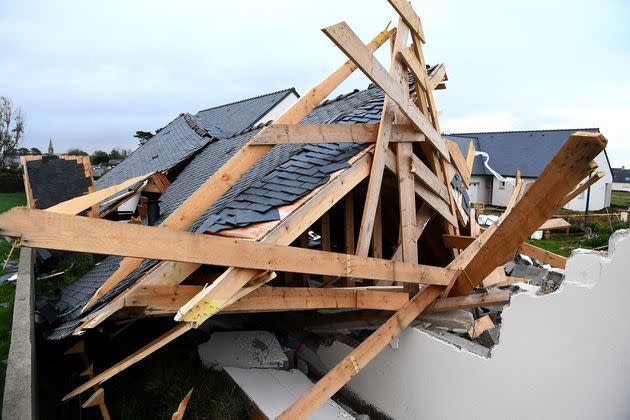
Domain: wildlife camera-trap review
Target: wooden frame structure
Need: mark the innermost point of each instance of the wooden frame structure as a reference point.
(421, 167)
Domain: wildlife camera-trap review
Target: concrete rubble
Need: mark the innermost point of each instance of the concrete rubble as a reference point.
(242, 349)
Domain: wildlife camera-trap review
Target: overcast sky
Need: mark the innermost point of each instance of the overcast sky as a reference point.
(89, 74)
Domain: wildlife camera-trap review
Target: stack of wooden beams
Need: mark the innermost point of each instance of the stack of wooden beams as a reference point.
(408, 161)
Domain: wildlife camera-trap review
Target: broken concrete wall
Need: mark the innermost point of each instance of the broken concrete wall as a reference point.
(561, 355)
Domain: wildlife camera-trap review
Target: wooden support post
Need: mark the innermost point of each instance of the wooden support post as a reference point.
(377, 235)
(326, 242)
(407, 203)
(380, 151)
(349, 230)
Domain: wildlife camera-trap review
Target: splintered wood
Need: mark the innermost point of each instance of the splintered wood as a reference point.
(374, 226)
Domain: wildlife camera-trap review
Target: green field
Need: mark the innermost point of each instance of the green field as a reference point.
(7, 290)
(620, 199)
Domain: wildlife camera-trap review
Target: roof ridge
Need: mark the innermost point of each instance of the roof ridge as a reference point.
(520, 131)
(249, 99)
(338, 98)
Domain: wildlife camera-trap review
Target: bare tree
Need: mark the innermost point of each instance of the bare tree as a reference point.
(11, 128)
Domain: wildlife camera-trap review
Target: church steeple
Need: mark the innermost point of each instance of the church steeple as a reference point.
(51, 151)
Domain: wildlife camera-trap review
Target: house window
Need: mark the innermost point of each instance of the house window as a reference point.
(501, 185)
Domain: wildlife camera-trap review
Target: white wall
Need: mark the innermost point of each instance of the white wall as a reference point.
(560, 356)
(621, 186)
(501, 196)
(279, 109)
(479, 189)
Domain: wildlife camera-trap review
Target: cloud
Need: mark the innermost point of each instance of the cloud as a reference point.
(479, 122)
(611, 120)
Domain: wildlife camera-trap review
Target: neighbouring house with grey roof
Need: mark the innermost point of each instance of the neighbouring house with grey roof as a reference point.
(528, 151)
(621, 179)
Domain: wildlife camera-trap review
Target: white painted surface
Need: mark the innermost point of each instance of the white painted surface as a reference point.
(273, 391)
(560, 356)
(244, 349)
(279, 109)
(600, 191)
(621, 186)
(480, 189)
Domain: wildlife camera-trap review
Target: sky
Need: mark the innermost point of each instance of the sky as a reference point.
(90, 74)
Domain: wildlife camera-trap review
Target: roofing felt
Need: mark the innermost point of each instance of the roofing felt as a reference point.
(345, 109)
(621, 175)
(187, 134)
(528, 151)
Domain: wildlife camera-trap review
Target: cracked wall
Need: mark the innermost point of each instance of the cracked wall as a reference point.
(561, 355)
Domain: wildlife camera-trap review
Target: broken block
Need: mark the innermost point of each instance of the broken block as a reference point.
(452, 320)
(489, 338)
(536, 274)
(243, 349)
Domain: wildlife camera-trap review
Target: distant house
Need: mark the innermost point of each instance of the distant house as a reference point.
(621, 179)
(530, 152)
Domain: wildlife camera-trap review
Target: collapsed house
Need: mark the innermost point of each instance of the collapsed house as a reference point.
(352, 203)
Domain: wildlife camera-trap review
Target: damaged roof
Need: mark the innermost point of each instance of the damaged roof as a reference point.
(286, 173)
(187, 134)
(529, 151)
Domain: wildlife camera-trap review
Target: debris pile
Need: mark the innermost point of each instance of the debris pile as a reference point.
(351, 216)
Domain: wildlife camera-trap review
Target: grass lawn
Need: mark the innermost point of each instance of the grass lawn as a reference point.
(7, 290)
(7, 201)
(620, 199)
(560, 244)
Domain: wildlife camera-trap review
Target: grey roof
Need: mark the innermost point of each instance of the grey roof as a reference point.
(621, 175)
(281, 160)
(237, 116)
(529, 151)
(187, 134)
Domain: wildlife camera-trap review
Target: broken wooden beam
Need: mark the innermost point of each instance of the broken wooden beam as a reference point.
(168, 299)
(501, 297)
(41, 229)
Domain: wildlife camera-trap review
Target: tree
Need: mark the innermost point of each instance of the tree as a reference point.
(23, 151)
(11, 128)
(115, 155)
(76, 152)
(143, 136)
(99, 157)
(35, 151)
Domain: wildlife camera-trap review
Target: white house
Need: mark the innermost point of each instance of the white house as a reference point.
(530, 152)
(621, 179)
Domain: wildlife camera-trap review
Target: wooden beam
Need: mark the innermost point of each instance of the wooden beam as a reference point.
(372, 196)
(407, 203)
(459, 161)
(41, 229)
(377, 234)
(406, 12)
(352, 364)
(78, 204)
(470, 158)
(437, 76)
(547, 257)
(349, 230)
(239, 164)
(425, 193)
(497, 276)
(168, 299)
(497, 243)
(351, 45)
(331, 133)
(501, 297)
(580, 188)
(181, 408)
(131, 359)
(428, 178)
